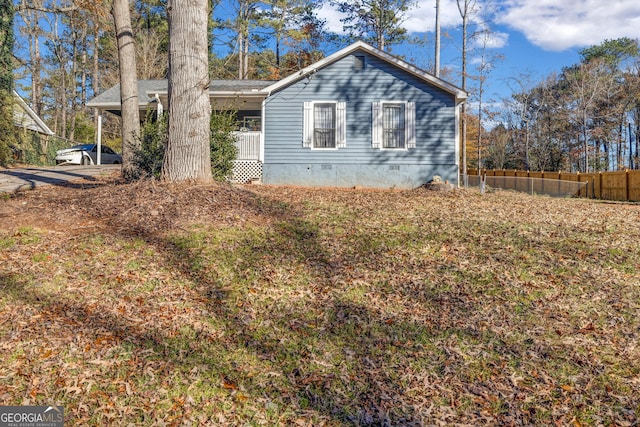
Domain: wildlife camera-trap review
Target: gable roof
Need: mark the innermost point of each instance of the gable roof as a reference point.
(25, 117)
(361, 46)
(109, 100)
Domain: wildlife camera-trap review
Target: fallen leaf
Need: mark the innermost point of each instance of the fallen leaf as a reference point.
(229, 385)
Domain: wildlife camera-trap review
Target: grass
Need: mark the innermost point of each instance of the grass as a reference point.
(329, 308)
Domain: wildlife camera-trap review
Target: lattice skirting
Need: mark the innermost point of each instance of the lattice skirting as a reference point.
(245, 171)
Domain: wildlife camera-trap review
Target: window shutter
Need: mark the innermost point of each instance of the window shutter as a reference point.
(341, 124)
(307, 125)
(376, 124)
(411, 125)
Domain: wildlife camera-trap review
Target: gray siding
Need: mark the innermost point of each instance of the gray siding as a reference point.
(286, 161)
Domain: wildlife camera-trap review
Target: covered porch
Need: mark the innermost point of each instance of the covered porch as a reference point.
(247, 167)
(243, 96)
(249, 142)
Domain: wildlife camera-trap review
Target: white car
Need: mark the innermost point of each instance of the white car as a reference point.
(86, 154)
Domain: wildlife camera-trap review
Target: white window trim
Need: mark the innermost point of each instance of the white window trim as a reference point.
(309, 125)
(377, 126)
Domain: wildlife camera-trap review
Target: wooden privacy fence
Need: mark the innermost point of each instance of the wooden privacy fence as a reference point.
(620, 186)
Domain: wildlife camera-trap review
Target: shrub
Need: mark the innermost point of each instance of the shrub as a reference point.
(148, 159)
(7, 127)
(223, 148)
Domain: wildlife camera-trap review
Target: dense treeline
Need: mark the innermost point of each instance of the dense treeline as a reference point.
(65, 52)
(583, 118)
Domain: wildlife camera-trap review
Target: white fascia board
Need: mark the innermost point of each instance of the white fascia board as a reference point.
(110, 105)
(259, 95)
(314, 67)
(459, 94)
(228, 93)
(42, 125)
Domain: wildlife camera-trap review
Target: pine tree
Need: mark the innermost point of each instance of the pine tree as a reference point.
(378, 22)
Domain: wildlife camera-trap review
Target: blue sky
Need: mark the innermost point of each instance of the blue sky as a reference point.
(535, 37)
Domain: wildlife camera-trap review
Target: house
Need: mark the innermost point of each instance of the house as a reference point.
(25, 118)
(359, 117)
(34, 140)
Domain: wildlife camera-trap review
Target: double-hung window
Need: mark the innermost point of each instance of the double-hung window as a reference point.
(393, 125)
(324, 125)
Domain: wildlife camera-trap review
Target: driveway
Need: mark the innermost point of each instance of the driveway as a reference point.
(12, 180)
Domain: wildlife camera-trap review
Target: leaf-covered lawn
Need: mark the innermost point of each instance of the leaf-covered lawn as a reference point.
(148, 304)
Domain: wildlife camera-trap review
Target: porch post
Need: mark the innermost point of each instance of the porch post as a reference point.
(461, 174)
(99, 140)
(262, 129)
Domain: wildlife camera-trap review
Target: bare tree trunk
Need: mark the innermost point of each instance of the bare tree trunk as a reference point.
(380, 31)
(36, 74)
(128, 86)
(63, 100)
(465, 8)
(637, 157)
(245, 10)
(36, 77)
(83, 60)
(32, 30)
(480, 93)
(278, 37)
(240, 56)
(74, 72)
(62, 88)
(586, 141)
(96, 71)
(245, 57)
(437, 54)
(187, 154)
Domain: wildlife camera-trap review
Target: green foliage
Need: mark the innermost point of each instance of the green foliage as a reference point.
(148, 160)
(223, 148)
(378, 22)
(6, 45)
(84, 132)
(7, 128)
(6, 80)
(37, 150)
(613, 52)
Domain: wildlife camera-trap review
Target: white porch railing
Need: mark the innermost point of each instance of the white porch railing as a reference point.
(248, 145)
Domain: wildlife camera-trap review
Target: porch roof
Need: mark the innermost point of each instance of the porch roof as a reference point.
(109, 100)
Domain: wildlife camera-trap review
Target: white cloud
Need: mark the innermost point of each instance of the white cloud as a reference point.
(423, 17)
(419, 19)
(553, 25)
(492, 40)
(559, 25)
(332, 18)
